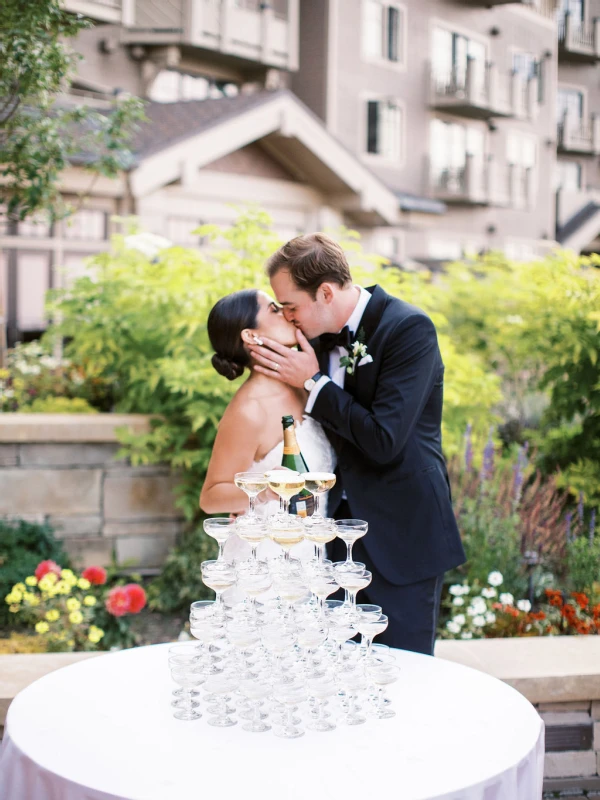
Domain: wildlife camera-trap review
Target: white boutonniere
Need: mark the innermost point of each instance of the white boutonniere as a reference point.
(357, 355)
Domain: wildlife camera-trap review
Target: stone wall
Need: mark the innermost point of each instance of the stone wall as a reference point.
(62, 468)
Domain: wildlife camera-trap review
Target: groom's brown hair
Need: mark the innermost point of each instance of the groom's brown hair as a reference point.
(311, 260)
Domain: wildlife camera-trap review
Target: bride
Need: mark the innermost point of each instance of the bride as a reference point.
(250, 435)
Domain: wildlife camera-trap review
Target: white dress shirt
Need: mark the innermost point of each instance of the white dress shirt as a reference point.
(337, 373)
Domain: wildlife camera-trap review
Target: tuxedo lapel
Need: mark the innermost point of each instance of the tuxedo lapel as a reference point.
(373, 312)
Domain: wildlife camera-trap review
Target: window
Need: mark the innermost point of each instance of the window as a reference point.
(451, 54)
(88, 224)
(33, 270)
(383, 26)
(570, 105)
(575, 8)
(450, 145)
(525, 65)
(384, 129)
(179, 231)
(521, 150)
(568, 176)
(37, 226)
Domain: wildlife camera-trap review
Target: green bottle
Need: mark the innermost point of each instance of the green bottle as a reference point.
(302, 504)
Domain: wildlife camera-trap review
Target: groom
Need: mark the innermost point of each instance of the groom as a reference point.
(374, 380)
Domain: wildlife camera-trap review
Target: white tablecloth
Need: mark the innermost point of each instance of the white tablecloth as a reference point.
(103, 728)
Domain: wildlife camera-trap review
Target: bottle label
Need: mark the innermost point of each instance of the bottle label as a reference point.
(291, 451)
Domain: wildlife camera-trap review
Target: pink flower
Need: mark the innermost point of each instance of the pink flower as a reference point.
(44, 567)
(137, 597)
(95, 575)
(118, 603)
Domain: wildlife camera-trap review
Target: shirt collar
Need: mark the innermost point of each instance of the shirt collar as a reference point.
(356, 316)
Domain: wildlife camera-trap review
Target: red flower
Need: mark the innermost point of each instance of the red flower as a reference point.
(556, 600)
(95, 575)
(137, 597)
(117, 603)
(569, 612)
(596, 611)
(44, 567)
(581, 599)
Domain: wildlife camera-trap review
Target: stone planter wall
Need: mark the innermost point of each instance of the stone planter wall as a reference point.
(62, 468)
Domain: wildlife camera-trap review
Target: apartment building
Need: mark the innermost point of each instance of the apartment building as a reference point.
(435, 127)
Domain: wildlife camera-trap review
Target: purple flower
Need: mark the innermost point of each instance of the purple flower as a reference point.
(592, 525)
(487, 466)
(580, 508)
(468, 448)
(568, 520)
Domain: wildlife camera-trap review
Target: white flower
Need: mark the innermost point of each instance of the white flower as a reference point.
(460, 619)
(452, 627)
(495, 578)
(479, 621)
(9, 393)
(455, 589)
(478, 605)
(524, 605)
(506, 599)
(490, 618)
(49, 361)
(458, 601)
(466, 635)
(489, 593)
(148, 244)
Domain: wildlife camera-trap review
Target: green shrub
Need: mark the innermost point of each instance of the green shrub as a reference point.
(61, 405)
(180, 582)
(22, 546)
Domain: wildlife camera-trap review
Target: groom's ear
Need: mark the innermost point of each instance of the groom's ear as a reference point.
(325, 292)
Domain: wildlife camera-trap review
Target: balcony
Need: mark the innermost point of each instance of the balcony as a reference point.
(244, 32)
(579, 41)
(577, 137)
(485, 183)
(483, 93)
(99, 10)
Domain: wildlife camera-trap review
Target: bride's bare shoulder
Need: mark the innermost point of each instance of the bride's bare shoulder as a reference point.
(244, 407)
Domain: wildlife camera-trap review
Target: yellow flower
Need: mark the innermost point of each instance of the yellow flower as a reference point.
(14, 597)
(84, 584)
(31, 599)
(14, 609)
(68, 576)
(48, 581)
(42, 627)
(19, 587)
(71, 642)
(89, 600)
(31, 580)
(52, 615)
(73, 604)
(63, 587)
(75, 617)
(95, 634)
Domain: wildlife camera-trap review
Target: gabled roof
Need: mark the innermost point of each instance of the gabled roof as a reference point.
(186, 136)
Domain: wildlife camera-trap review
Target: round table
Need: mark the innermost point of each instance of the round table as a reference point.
(103, 728)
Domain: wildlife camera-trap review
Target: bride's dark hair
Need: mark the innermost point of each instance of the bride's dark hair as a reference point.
(226, 321)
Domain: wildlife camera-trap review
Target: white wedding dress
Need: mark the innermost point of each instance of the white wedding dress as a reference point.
(320, 457)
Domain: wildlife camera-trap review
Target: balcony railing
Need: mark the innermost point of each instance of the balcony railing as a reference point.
(484, 182)
(577, 40)
(101, 10)
(248, 30)
(578, 136)
(481, 92)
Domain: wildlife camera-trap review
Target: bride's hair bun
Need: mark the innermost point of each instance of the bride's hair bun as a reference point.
(228, 369)
(228, 318)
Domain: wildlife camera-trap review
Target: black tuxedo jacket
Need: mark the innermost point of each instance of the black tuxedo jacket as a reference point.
(385, 426)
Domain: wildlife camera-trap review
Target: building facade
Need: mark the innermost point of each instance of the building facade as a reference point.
(436, 128)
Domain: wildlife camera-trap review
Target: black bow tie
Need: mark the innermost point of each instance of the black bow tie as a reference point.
(331, 340)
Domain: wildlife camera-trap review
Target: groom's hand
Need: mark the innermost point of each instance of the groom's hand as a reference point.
(288, 366)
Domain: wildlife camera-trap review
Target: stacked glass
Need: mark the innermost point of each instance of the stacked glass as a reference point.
(284, 657)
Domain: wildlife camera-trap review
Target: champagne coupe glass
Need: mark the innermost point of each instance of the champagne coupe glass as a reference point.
(372, 611)
(256, 690)
(220, 528)
(310, 636)
(285, 483)
(320, 533)
(221, 685)
(254, 578)
(349, 530)
(252, 483)
(244, 639)
(320, 688)
(290, 586)
(182, 649)
(317, 483)
(322, 583)
(370, 626)
(286, 532)
(277, 640)
(185, 676)
(218, 576)
(383, 675)
(352, 581)
(352, 680)
(340, 630)
(253, 533)
(290, 695)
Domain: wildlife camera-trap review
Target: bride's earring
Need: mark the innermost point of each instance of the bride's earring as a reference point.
(256, 339)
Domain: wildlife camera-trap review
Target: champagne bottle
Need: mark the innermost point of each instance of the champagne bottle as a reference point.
(301, 504)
